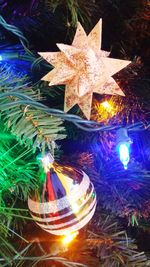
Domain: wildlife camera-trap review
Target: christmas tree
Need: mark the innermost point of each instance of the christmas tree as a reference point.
(75, 139)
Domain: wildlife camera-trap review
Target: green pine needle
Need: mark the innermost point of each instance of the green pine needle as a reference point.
(32, 127)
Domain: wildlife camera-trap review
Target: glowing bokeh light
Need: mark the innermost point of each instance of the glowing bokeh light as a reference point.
(47, 161)
(124, 154)
(106, 110)
(69, 238)
(1, 58)
(107, 106)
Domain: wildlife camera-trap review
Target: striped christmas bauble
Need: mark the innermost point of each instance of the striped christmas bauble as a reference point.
(65, 202)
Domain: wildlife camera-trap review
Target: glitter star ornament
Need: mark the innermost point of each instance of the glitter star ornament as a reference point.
(84, 68)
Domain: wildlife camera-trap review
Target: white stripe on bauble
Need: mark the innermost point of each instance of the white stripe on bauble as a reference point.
(75, 227)
(62, 203)
(79, 216)
(51, 219)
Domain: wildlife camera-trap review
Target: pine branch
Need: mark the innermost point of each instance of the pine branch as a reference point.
(76, 10)
(18, 173)
(110, 245)
(31, 126)
(8, 226)
(26, 257)
(54, 92)
(106, 245)
(124, 193)
(18, 169)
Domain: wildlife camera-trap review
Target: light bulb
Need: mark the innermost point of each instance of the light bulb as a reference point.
(124, 154)
(69, 237)
(123, 146)
(107, 106)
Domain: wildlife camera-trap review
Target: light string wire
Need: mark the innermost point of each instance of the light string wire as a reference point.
(24, 42)
(85, 125)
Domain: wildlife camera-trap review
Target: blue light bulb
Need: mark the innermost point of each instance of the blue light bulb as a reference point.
(124, 154)
(123, 146)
